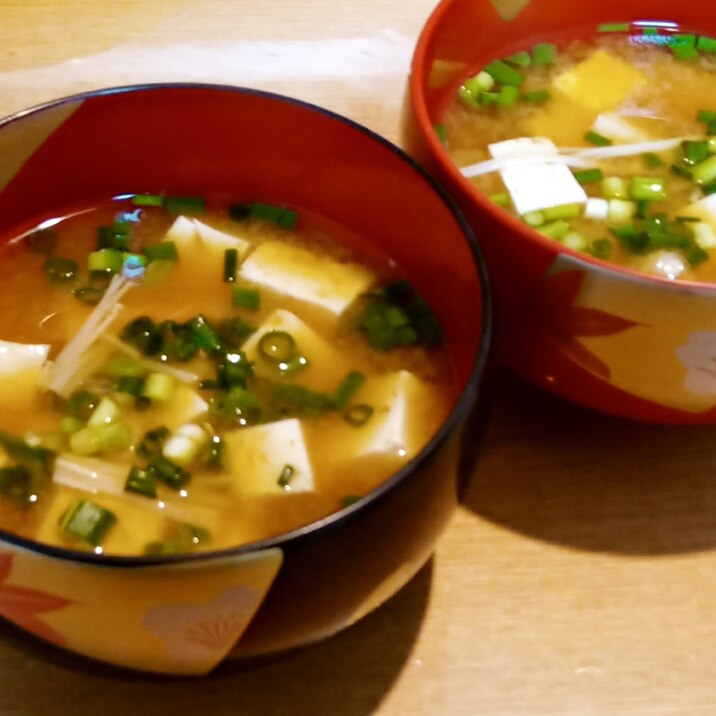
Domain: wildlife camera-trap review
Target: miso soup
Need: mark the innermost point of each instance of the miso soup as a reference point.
(606, 144)
(177, 378)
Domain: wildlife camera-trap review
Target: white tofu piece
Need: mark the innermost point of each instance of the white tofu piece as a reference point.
(185, 406)
(21, 373)
(596, 208)
(325, 367)
(396, 428)
(540, 185)
(704, 209)
(183, 233)
(256, 456)
(218, 241)
(307, 276)
(619, 129)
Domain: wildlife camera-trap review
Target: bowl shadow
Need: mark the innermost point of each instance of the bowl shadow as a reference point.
(349, 673)
(564, 474)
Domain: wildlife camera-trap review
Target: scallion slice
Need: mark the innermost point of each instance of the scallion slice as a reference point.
(61, 270)
(544, 53)
(142, 482)
(597, 139)
(184, 205)
(284, 479)
(277, 346)
(358, 415)
(147, 200)
(586, 176)
(162, 251)
(231, 263)
(285, 218)
(503, 74)
(169, 473)
(347, 388)
(87, 521)
(248, 298)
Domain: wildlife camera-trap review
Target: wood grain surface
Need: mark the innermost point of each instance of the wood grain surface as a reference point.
(579, 577)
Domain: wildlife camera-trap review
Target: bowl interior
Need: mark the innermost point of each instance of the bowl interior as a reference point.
(245, 145)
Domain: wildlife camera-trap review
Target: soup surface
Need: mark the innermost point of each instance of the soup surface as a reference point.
(174, 378)
(604, 144)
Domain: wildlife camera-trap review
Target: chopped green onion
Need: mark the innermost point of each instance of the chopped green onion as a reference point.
(565, 211)
(237, 404)
(147, 200)
(285, 218)
(586, 176)
(292, 397)
(615, 188)
(204, 334)
(631, 238)
(621, 211)
(705, 172)
(158, 387)
(162, 251)
(151, 444)
(130, 384)
(61, 270)
(537, 96)
(503, 74)
(681, 171)
(520, 59)
(87, 521)
(575, 240)
(277, 346)
(706, 44)
(214, 453)
(507, 97)
(441, 133)
(706, 116)
(16, 482)
(184, 539)
(177, 341)
(82, 404)
(533, 218)
(42, 241)
(235, 369)
(143, 482)
(293, 365)
(284, 479)
(85, 441)
(614, 27)
(554, 230)
(184, 205)
(231, 263)
(169, 473)
(694, 151)
(248, 298)
(601, 248)
(68, 425)
(501, 199)
(544, 53)
(696, 255)
(597, 139)
(684, 52)
(107, 411)
(109, 260)
(239, 212)
(648, 189)
(234, 330)
(143, 334)
(114, 437)
(487, 99)
(89, 295)
(652, 160)
(347, 388)
(358, 415)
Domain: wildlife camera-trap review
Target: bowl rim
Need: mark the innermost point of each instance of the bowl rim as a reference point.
(465, 403)
(438, 152)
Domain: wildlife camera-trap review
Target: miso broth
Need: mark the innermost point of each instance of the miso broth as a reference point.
(202, 379)
(605, 144)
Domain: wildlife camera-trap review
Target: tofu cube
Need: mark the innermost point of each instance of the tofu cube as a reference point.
(325, 367)
(21, 373)
(541, 185)
(183, 233)
(256, 458)
(704, 209)
(306, 276)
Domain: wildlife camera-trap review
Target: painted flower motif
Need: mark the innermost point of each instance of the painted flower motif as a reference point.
(698, 356)
(195, 632)
(21, 605)
(550, 312)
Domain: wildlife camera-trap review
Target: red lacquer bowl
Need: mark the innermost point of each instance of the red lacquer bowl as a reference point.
(184, 615)
(606, 337)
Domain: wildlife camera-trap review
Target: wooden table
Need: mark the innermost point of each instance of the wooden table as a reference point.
(578, 579)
